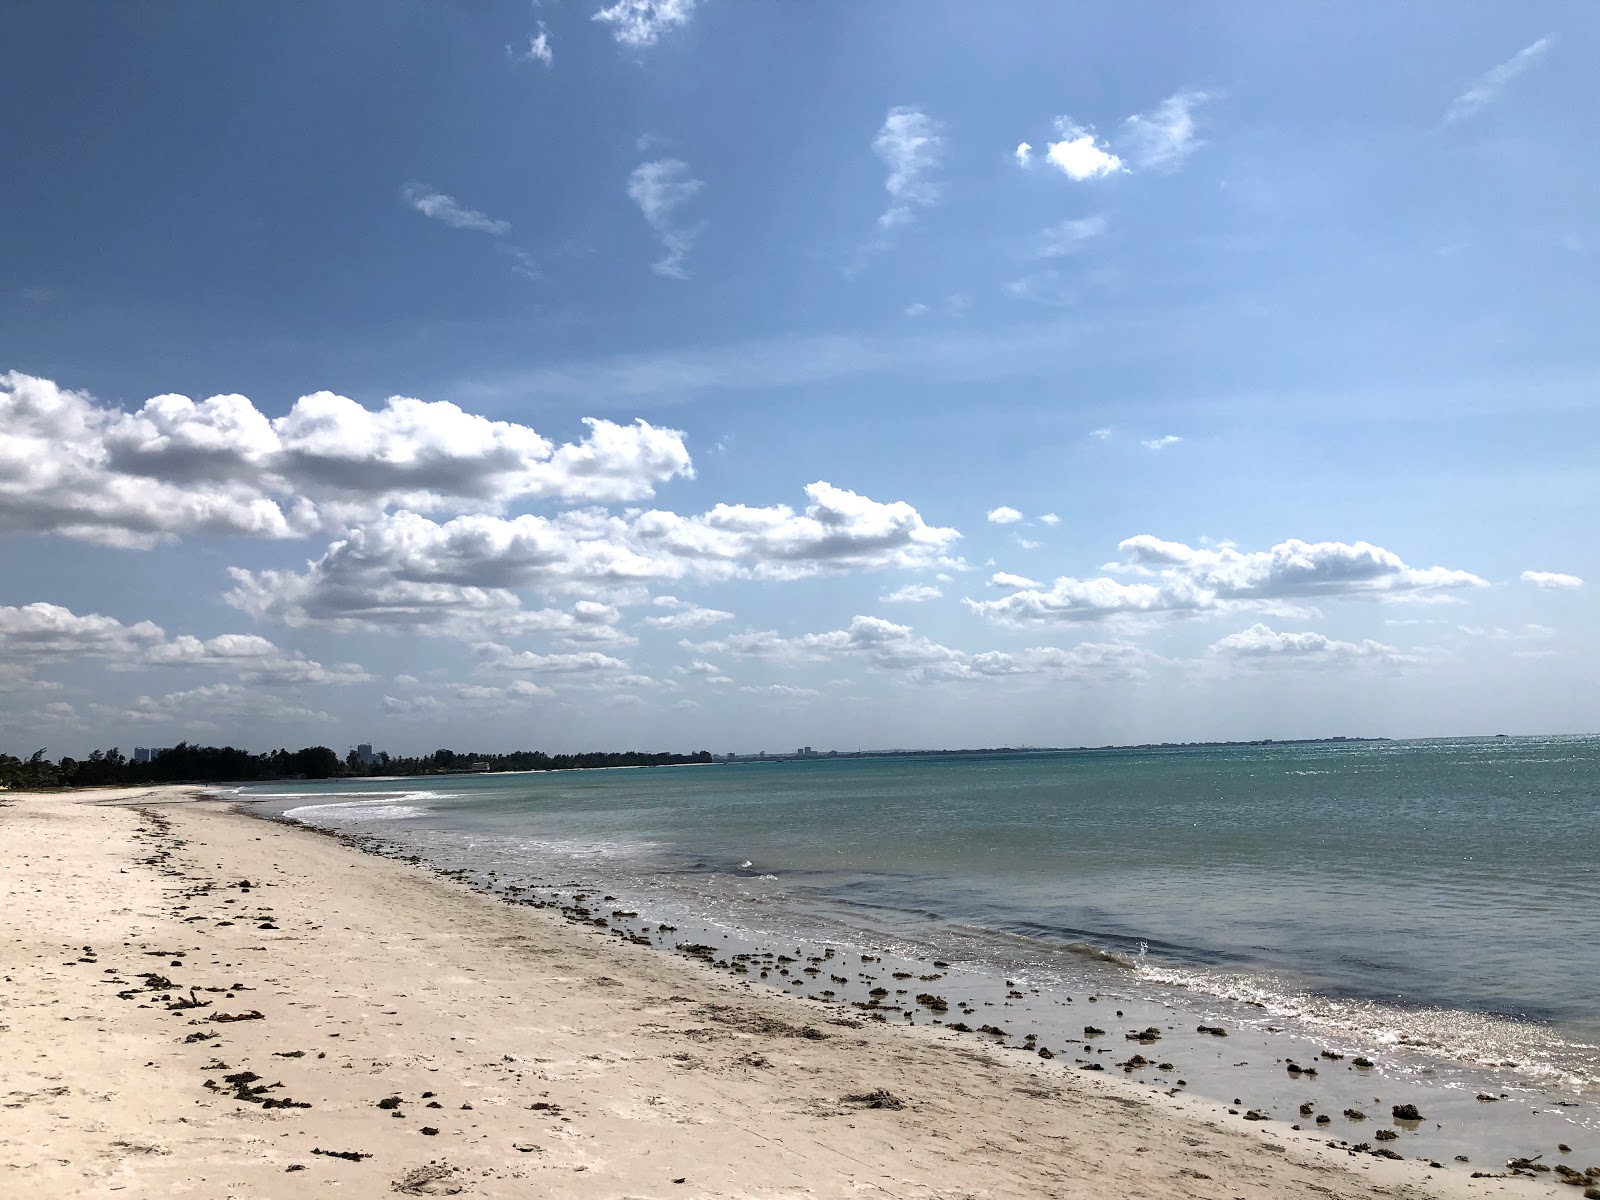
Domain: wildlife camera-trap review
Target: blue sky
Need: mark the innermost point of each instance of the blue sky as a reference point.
(1276, 339)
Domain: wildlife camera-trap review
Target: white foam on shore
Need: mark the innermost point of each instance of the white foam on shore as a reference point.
(1484, 1040)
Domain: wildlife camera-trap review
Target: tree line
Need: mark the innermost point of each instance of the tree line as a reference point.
(185, 763)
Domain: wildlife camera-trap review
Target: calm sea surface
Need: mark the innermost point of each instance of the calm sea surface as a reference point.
(1442, 895)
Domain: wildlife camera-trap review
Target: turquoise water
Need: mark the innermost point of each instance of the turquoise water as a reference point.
(1436, 895)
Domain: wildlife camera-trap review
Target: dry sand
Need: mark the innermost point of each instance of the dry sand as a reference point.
(528, 1057)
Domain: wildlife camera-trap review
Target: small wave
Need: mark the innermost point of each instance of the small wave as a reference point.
(355, 812)
(348, 799)
(1099, 954)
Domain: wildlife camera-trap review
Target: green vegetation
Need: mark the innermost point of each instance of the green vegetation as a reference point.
(213, 764)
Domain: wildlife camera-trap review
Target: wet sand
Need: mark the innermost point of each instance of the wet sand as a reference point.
(199, 1003)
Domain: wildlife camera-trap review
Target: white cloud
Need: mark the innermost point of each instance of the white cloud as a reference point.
(1049, 519)
(781, 691)
(660, 189)
(538, 48)
(918, 309)
(707, 673)
(909, 144)
(412, 706)
(1260, 643)
(1100, 435)
(72, 466)
(1161, 140)
(1217, 580)
(257, 660)
(444, 208)
(517, 689)
(1072, 236)
(1161, 443)
(1165, 138)
(1499, 633)
(1004, 515)
(639, 24)
(213, 706)
(684, 615)
(48, 631)
(1552, 580)
(1496, 80)
(405, 570)
(496, 657)
(1006, 579)
(763, 644)
(43, 632)
(1023, 154)
(1079, 155)
(889, 647)
(1025, 543)
(912, 594)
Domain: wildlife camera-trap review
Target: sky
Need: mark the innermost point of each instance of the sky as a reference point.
(694, 374)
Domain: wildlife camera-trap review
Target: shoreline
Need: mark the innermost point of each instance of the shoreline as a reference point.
(1301, 1074)
(561, 1058)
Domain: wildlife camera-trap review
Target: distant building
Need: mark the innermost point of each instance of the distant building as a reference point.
(480, 765)
(144, 754)
(364, 754)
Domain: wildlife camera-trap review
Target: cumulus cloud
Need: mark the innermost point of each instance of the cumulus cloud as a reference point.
(1494, 81)
(911, 147)
(43, 632)
(887, 646)
(1552, 581)
(681, 614)
(914, 593)
(412, 706)
(213, 706)
(1004, 515)
(441, 207)
(406, 570)
(1260, 643)
(1164, 138)
(1159, 140)
(1078, 154)
(661, 189)
(73, 466)
(639, 24)
(1189, 580)
(1006, 579)
(58, 475)
(496, 657)
(707, 673)
(1049, 519)
(1162, 442)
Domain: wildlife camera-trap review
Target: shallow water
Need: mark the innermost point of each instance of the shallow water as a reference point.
(1432, 904)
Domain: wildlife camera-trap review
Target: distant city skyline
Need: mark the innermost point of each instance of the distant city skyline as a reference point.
(741, 375)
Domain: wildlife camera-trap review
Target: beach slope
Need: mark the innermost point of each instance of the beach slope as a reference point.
(199, 1003)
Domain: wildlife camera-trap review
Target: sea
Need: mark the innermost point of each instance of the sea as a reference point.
(1430, 908)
